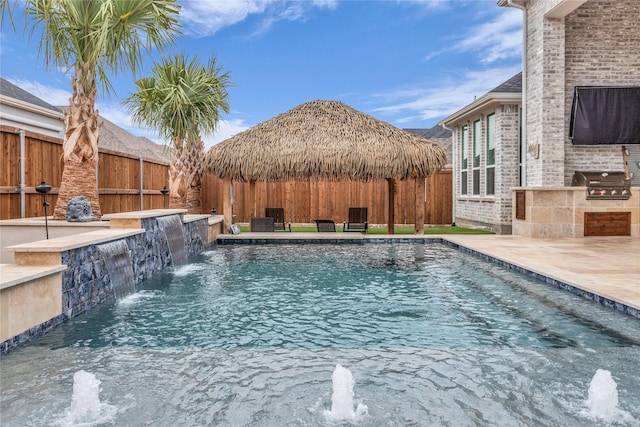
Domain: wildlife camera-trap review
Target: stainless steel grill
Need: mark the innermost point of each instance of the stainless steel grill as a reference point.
(603, 185)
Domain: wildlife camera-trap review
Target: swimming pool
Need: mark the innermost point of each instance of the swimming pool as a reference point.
(252, 335)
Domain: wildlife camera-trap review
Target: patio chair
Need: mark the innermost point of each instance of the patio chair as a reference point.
(358, 220)
(278, 218)
(261, 225)
(325, 225)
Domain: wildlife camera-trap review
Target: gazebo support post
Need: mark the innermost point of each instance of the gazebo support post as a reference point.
(419, 212)
(227, 208)
(252, 198)
(392, 203)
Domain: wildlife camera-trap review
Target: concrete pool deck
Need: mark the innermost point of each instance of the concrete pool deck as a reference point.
(605, 266)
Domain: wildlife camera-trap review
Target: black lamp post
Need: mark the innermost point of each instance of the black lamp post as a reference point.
(164, 192)
(43, 189)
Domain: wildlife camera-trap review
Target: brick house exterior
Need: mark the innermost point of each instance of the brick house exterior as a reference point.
(487, 134)
(568, 43)
(575, 43)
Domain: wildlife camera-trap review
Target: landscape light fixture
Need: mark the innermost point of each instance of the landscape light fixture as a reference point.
(43, 189)
(164, 192)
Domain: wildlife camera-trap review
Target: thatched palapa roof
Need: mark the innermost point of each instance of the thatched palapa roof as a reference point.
(324, 139)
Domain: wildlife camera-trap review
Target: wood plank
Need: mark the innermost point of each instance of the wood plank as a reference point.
(607, 223)
(419, 206)
(391, 183)
(521, 206)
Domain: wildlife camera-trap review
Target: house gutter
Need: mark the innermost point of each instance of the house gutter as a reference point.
(523, 143)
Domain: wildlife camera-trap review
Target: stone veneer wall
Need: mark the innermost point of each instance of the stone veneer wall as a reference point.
(86, 284)
(559, 212)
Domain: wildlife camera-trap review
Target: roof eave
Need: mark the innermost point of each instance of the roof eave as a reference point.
(481, 103)
(27, 106)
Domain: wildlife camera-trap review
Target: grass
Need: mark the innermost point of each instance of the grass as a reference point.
(399, 229)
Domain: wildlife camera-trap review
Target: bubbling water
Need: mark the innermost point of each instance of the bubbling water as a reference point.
(603, 395)
(342, 405)
(86, 408)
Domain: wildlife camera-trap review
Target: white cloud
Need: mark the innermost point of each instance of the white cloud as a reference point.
(205, 17)
(498, 39)
(429, 4)
(52, 95)
(442, 98)
(226, 129)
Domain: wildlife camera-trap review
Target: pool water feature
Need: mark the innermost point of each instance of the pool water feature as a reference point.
(172, 227)
(253, 334)
(117, 262)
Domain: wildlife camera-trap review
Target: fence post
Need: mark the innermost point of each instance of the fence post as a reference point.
(23, 185)
(141, 183)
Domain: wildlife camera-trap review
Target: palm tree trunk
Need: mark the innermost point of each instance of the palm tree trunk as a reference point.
(80, 146)
(177, 181)
(195, 167)
(185, 176)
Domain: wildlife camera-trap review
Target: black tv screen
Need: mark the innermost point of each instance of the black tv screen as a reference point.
(605, 116)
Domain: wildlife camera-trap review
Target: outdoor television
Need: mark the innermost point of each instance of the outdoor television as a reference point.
(605, 116)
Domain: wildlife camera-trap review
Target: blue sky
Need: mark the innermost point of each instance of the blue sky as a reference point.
(409, 63)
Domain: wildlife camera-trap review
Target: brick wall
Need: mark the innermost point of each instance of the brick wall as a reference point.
(545, 95)
(492, 212)
(602, 48)
(596, 44)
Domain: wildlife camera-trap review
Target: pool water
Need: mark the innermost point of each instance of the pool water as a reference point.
(251, 335)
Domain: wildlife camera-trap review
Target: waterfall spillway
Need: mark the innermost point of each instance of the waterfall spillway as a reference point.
(172, 227)
(117, 261)
(203, 230)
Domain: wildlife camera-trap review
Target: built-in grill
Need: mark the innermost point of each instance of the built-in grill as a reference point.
(603, 185)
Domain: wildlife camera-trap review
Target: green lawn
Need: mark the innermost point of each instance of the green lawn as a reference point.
(399, 229)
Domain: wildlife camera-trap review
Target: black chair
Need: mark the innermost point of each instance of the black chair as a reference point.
(358, 220)
(325, 225)
(262, 225)
(278, 218)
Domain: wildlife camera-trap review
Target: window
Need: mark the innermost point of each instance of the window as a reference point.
(477, 132)
(491, 154)
(464, 164)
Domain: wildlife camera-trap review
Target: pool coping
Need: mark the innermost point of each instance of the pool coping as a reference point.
(492, 248)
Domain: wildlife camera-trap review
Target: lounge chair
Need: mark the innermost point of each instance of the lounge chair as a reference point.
(358, 220)
(261, 225)
(278, 218)
(325, 225)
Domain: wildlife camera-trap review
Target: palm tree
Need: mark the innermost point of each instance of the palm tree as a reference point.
(95, 37)
(182, 99)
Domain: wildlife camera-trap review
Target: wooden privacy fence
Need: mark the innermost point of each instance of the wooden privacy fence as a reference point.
(304, 201)
(129, 183)
(126, 183)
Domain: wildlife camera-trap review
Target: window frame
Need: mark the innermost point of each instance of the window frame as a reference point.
(490, 161)
(477, 156)
(464, 159)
